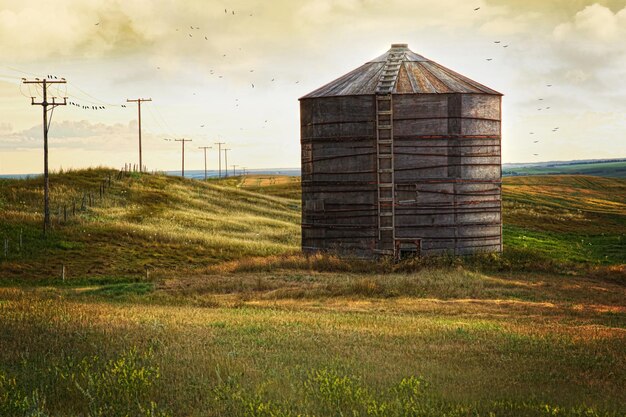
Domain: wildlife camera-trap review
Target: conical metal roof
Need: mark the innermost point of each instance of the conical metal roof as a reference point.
(400, 71)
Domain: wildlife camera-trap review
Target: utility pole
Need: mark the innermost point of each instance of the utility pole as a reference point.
(226, 160)
(205, 148)
(234, 170)
(219, 155)
(138, 101)
(244, 171)
(46, 127)
(182, 141)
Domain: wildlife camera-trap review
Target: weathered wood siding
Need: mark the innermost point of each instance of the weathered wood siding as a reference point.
(447, 172)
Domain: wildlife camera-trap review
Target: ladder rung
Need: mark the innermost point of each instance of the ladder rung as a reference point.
(385, 228)
(383, 171)
(384, 127)
(385, 185)
(388, 214)
(385, 156)
(385, 142)
(383, 98)
(384, 112)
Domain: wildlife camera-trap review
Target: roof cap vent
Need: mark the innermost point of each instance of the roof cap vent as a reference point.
(399, 45)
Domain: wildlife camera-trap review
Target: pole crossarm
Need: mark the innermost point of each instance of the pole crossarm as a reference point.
(219, 156)
(44, 103)
(182, 141)
(139, 101)
(205, 149)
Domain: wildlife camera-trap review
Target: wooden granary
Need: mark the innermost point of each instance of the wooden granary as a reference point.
(401, 156)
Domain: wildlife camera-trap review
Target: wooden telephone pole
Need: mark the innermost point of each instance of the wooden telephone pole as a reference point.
(234, 170)
(219, 155)
(226, 160)
(138, 101)
(205, 148)
(182, 141)
(46, 127)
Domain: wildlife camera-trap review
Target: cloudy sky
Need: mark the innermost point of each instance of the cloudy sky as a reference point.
(198, 64)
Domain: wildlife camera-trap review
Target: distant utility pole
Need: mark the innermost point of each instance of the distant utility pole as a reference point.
(244, 170)
(234, 170)
(46, 127)
(219, 156)
(138, 101)
(182, 141)
(205, 148)
(226, 160)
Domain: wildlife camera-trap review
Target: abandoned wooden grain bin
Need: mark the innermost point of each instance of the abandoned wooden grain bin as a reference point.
(401, 155)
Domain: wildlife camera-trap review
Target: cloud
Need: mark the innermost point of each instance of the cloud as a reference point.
(595, 23)
(72, 134)
(5, 128)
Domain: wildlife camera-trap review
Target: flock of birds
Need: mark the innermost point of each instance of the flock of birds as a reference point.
(499, 42)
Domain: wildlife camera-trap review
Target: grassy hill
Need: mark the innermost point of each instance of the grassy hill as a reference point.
(231, 320)
(153, 221)
(615, 169)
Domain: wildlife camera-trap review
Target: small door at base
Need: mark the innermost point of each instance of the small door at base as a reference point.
(408, 248)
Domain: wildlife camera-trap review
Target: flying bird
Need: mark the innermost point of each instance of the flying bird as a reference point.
(536, 154)
(496, 41)
(505, 46)
(206, 38)
(297, 82)
(225, 11)
(478, 8)
(97, 24)
(233, 12)
(548, 85)
(536, 141)
(190, 35)
(272, 79)
(252, 85)
(489, 59)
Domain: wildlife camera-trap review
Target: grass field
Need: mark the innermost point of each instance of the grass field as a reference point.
(231, 320)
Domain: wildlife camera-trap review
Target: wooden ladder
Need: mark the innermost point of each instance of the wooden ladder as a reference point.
(384, 154)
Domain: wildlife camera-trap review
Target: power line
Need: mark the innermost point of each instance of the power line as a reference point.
(205, 149)
(219, 156)
(182, 141)
(226, 159)
(46, 127)
(138, 101)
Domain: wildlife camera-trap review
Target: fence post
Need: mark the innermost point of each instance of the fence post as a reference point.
(65, 213)
(6, 247)
(63, 272)
(20, 246)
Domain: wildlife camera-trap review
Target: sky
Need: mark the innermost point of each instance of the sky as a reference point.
(232, 71)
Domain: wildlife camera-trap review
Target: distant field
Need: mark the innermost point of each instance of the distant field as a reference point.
(230, 320)
(603, 169)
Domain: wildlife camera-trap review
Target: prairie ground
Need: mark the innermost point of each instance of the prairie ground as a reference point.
(231, 320)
